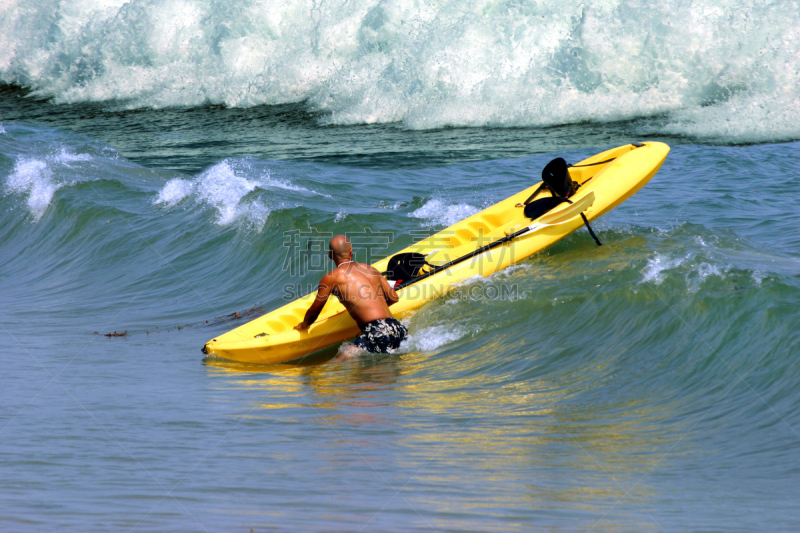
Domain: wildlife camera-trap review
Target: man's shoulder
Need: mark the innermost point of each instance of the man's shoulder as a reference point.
(337, 275)
(330, 279)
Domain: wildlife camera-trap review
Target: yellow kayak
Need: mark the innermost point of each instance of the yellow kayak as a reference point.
(489, 241)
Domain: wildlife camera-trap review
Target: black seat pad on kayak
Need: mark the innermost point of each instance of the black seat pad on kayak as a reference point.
(539, 207)
(556, 176)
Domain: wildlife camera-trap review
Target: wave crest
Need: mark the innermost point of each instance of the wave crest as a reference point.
(727, 70)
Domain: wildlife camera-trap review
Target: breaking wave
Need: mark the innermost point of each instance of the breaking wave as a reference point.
(723, 71)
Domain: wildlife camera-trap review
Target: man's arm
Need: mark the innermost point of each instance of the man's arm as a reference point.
(323, 292)
(388, 292)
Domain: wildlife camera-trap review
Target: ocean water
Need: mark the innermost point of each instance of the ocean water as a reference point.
(160, 160)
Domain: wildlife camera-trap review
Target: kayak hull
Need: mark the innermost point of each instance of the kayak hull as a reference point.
(271, 338)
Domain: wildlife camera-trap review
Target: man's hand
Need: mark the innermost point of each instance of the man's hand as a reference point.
(323, 292)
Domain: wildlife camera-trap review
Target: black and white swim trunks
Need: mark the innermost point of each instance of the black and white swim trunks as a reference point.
(380, 336)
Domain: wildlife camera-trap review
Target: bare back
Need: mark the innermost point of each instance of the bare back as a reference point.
(363, 291)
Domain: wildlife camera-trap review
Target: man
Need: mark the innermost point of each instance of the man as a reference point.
(365, 294)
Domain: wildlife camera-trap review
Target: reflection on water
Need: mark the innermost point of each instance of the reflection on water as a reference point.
(445, 427)
(330, 385)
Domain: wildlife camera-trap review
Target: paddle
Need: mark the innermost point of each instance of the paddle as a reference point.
(553, 218)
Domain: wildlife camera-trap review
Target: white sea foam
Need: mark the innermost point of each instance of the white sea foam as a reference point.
(34, 178)
(433, 337)
(221, 188)
(65, 156)
(255, 215)
(39, 177)
(2, 129)
(657, 265)
(174, 191)
(694, 270)
(724, 69)
(226, 187)
(438, 213)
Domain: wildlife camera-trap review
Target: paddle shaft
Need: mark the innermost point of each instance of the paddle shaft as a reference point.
(464, 257)
(550, 219)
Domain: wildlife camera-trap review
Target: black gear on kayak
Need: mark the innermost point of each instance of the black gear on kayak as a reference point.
(556, 171)
(555, 176)
(541, 206)
(405, 266)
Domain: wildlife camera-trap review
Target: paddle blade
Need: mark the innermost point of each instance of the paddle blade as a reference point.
(568, 212)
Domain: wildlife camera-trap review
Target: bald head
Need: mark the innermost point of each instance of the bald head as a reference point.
(341, 248)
